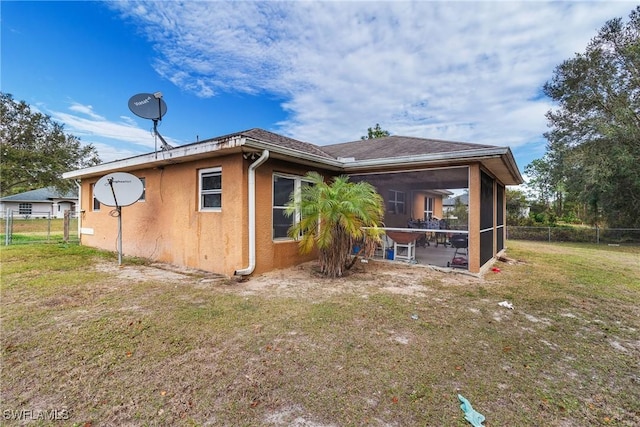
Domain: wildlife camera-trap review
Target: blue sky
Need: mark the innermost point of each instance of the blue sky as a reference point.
(321, 72)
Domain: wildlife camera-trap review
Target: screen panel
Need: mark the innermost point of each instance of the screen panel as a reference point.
(486, 201)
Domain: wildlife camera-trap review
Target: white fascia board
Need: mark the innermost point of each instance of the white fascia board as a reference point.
(513, 166)
(295, 155)
(175, 155)
(457, 156)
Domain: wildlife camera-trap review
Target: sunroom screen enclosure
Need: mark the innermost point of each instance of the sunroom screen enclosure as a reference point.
(418, 230)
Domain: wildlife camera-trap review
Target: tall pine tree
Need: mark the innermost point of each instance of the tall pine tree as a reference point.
(594, 141)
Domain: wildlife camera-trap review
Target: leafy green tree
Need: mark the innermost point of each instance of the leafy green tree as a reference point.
(460, 211)
(332, 218)
(376, 132)
(594, 141)
(542, 182)
(35, 151)
(517, 205)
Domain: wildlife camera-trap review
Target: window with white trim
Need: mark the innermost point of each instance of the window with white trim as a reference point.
(283, 187)
(396, 202)
(429, 203)
(210, 189)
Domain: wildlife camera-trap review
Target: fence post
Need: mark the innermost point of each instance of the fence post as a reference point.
(67, 216)
(8, 227)
(549, 230)
(597, 235)
(48, 226)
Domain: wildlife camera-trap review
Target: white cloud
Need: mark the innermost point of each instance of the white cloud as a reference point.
(470, 71)
(86, 110)
(113, 139)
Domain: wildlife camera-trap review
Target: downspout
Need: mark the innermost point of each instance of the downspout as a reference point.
(79, 209)
(252, 215)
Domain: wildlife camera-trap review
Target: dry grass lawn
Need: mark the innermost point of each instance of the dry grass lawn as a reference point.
(94, 344)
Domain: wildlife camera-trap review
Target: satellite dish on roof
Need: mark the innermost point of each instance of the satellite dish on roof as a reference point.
(150, 106)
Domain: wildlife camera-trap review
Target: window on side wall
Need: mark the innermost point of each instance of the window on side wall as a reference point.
(25, 209)
(395, 204)
(144, 190)
(95, 204)
(210, 189)
(283, 187)
(429, 203)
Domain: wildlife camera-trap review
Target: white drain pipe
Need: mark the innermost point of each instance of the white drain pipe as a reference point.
(252, 215)
(79, 209)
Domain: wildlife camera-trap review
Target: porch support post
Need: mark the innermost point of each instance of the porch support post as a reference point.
(474, 218)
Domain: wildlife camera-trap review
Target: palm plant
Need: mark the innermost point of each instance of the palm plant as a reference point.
(335, 216)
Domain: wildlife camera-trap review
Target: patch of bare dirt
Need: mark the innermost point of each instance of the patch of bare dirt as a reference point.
(304, 280)
(157, 272)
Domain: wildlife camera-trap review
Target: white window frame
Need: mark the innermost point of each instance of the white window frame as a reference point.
(430, 203)
(297, 189)
(201, 192)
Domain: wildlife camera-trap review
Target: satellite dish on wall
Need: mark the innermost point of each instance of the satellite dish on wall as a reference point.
(148, 105)
(118, 189)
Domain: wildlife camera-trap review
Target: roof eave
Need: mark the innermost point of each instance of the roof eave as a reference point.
(456, 157)
(510, 162)
(193, 151)
(298, 156)
(175, 155)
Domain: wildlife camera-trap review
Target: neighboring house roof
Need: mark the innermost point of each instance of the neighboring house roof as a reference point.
(40, 195)
(350, 157)
(451, 201)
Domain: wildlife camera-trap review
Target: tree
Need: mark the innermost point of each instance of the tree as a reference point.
(594, 141)
(35, 151)
(517, 206)
(376, 132)
(332, 218)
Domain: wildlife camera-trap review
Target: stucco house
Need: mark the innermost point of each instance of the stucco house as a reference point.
(43, 202)
(218, 204)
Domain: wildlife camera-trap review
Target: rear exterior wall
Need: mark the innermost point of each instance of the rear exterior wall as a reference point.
(169, 227)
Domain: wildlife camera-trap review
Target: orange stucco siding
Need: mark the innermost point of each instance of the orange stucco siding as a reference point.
(474, 218)
(168, 226)
(280, 253)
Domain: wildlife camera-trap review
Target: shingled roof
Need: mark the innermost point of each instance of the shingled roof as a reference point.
(391, 151)
(40, 195)
(283, 141)
(396, 146)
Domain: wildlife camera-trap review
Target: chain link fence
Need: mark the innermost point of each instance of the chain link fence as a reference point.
(612, 236)
(38, 227)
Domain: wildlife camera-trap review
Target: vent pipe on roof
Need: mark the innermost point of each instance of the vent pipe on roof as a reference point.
(252, 215)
